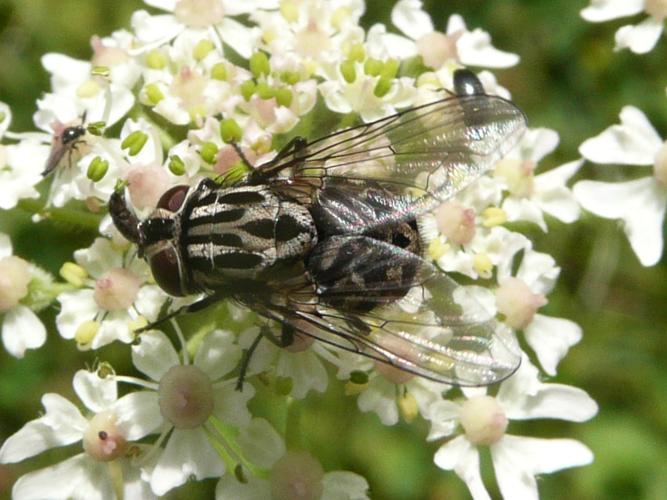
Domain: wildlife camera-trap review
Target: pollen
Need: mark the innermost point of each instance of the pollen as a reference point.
(86, 332)
(89, 88)
(493, 216)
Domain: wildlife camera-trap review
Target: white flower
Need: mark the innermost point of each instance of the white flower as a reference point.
(5, 118)
(640, 204)
(113, 299)
(299, 362)
(470, 48)
(21, 328)
(191, 404)
(529, 195)
(639, 38)
(293, 474)
(21, 166)
(516, 460)
(212, 16)
(105, 432)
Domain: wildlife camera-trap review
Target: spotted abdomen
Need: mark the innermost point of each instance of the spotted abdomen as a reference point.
(241, 233)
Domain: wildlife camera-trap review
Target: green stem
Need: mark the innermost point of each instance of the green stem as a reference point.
(293, 425)
(71, 216)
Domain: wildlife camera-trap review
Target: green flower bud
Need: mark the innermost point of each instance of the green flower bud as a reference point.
(247, 89)
(373, 67)
(382, 86)
(97, 169)
(390, 68)
(284, 96)
(156, 59)
(96, 128)
(230, 130)
(209, 152)
(176, 165)
(219, 71)
(290, 77)
(153, 93)
(259, 64)
(134, 142)
(357, 53)
(348, 71)
(358, 377)
(264, 91)
(202, 49)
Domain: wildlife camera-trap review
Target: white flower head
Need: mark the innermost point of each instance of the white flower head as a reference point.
(516, 460)
(292, 474)
(112, 301)
(639, 38)
(105, 431)
(470, 48)
(640, 204)
(21, 328)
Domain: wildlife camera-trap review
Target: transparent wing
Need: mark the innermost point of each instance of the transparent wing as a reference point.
(429, 152)
(436, 330)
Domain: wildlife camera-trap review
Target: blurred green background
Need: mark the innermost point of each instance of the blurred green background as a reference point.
(570, 80)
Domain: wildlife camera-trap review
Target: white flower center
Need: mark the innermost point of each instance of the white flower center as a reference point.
(146, 184)
(14, 280)
(518, 302)
(102, 440)
(483, 420)
(186, 396)
(297, 476)
(660, 165)
(436, 48)
(456, 222)
(117, 289)
(518, 175)
(656, 8)
(189, 87)
(199, 13)
(107, 56)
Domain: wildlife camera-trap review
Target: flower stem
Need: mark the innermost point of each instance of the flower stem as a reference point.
(293, 425)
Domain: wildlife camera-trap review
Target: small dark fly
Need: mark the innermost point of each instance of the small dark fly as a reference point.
(65, 142)
(324, 239)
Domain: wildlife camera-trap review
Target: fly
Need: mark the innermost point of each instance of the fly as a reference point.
(324, 240)
(65, 142)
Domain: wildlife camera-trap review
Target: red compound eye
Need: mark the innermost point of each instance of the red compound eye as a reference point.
(166, 268)
(173, 198)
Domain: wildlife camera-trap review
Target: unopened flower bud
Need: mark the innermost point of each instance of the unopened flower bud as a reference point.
(483, 420)
(456, 222)
(297, 476)
(518, 303)
(14, 280)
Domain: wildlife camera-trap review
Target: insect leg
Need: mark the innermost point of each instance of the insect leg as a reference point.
(242, 155)
(190, 308)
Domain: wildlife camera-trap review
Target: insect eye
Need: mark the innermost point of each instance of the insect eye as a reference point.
(173, 198)
(72, 133)
(166, 268)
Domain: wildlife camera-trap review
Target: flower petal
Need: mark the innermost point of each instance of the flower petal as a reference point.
(96, 393)
(633, 142)
(640, 204)
(380, 398)
(138, 414)
(516, 460)
(604, 10)
(188, 453)
(261, 443)
(306, 371)
(462, 457)
(239, 37)
(77, 478)
(21, 330)
(344, 485)
(230, 405)
(5, 246)
(553, 195)
(475, 49)
(154, 355)
(218, 354)
(551, 338)
(640, 38)
(230, 488)
(408, 16)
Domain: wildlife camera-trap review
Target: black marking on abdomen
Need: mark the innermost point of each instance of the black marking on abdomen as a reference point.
(288, 228)
(261, 228)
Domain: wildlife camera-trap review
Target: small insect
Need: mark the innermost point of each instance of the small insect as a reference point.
(324, 238)
(64, 142)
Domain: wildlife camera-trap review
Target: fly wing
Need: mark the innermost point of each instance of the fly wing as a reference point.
(437, 330)
(428, 153)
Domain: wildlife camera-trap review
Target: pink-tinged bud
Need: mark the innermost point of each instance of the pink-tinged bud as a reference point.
(102, 440)
(518, 176)
(483, 420)
(186, 396)
(518, 303)
(117, 289)
(660, 165)
(14, 280)
(436, 48)
(402, 348)
(265, 110)
(199, 13)
(656, 8)
(106, 56)
(311, 41)
(297, 476)
(146, 184)
(456, 222)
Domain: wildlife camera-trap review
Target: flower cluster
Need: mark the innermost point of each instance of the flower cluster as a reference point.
(201, 89)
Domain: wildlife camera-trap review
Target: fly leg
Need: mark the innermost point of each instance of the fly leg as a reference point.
(190, 308)
(286, 339)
